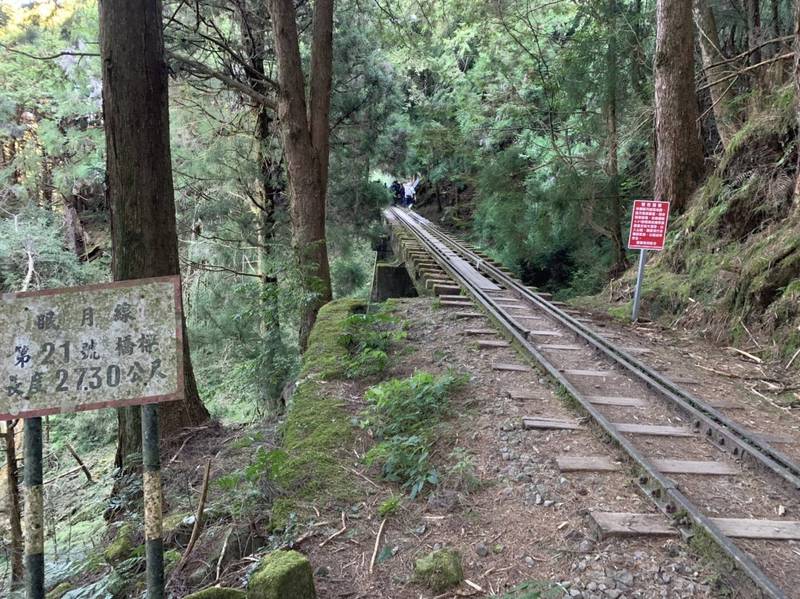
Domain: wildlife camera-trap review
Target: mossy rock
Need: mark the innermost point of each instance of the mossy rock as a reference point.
(178, 528)
(439, 570)
(282, 575)
(59, 591)
(121, 548)
(217, 593)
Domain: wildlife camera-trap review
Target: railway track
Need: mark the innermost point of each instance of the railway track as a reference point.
(619, 387)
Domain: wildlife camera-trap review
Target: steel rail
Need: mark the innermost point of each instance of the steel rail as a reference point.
(660, 488)
(721, 429)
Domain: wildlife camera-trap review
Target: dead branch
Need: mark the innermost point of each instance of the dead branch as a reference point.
(82, 466)
(337, 533)
(198, 518)
(377, 544)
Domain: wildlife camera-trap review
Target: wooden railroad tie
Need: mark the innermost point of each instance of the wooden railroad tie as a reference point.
(456, 304)
(520, 395)
(492, 344)
(556, 347)
(510, 367)
(655, 430)
(633, 402)
(530, 422)
(443, 289)
(468, 314)
(542, 333)
(473, 332)
(667, 466)
(594, 373)
(629, 524)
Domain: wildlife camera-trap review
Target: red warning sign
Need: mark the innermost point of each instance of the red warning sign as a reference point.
(648, 225)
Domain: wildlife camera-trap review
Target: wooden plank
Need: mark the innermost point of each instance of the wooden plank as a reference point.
(510, 367)
(473, 332)
(596, 373)
(455, 304)
(653, 429)
(604, 400)
(626, 524)
(542, 333)
(549, 424)
(553, 346)
(725, 404)
(520, 395)
(431, 283)
(694, 467)
(639, 351)
(468, 314)
(447, 297)
(440, 289)
(525, 317)
(492, 344)
(743, 528)
(598, 463)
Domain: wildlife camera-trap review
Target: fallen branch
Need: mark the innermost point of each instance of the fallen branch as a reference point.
(62, 475)
(357, 473)
(222, 553)
(755, 359)
(83, 467)
(198, 518)
(377, 544)
(337, 533)
(794, 357)
(180, 449)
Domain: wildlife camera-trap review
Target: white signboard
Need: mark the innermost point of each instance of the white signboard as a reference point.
(90, 347)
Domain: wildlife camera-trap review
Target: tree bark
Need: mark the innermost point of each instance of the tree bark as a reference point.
(612, 152)
(305, 144)
(753, 9)
(797, 100)
(679, 163)
(139, 178)
(711, 51)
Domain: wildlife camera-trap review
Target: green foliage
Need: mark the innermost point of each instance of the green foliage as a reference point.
(389, 506)
(368, 336)
(402, 416)
(35, 238)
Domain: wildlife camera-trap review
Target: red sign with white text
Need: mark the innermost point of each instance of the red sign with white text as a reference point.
(648, 225)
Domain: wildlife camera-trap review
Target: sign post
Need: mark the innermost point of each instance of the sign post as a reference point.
(86, 348)
(648, 232)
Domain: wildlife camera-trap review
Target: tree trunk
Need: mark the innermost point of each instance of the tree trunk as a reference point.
(711, 51)
(139, 178)
(305, 143)
(753, 9)
(13, 505)
(679, 163)
(797, 100)
(612, 152)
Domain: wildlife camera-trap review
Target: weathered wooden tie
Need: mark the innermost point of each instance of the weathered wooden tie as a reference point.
(521, 395)
(530, 422)
(595, 373)
(538, 333)
(441, 289)
(653, 429)
(629, 524)
(492, 344)
(473, 332)
(510, 367)
(667, 466)
(468, 314)
(557, 347)
(602, 400)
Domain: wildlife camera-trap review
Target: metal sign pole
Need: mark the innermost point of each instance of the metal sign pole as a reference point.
(154, 546)
(34, 510)
(639, 278)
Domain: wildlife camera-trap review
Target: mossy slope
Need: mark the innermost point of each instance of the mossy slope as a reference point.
(734, 257)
